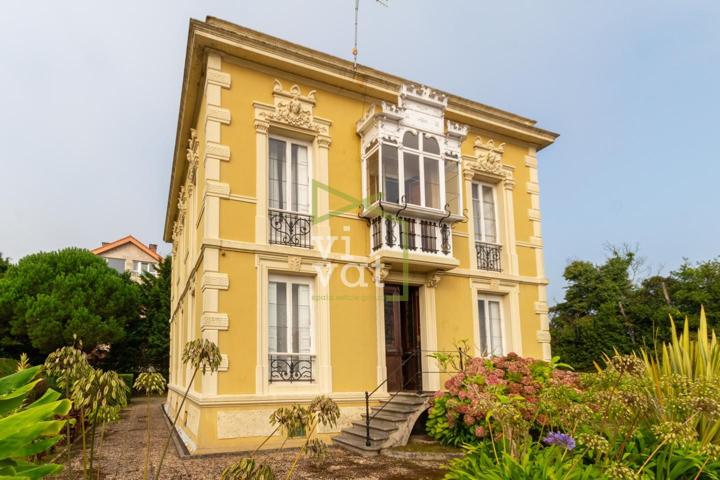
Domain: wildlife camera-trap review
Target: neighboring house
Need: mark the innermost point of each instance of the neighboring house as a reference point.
(332, 226)
(130, 255)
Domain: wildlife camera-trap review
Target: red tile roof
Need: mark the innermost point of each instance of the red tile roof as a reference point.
(129, 239)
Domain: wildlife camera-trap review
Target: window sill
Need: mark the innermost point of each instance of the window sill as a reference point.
(416, 211)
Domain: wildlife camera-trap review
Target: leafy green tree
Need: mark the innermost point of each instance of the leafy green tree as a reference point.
(606, 308)
(593, 318)
(147, 342)
(4, 264)
(49, 298)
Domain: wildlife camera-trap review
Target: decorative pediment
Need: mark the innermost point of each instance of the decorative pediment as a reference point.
(293, 108)
(419, 108)
(422, 94)
(487, 159)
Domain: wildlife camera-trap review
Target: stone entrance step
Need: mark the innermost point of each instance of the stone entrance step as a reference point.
(391, 423)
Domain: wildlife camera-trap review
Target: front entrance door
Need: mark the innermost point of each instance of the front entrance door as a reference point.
(402, 338)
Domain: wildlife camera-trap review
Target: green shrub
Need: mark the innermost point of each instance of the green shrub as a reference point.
(685, 373)
(438, 425)
(655, 416)
(127, 378)
(28, 430)
(490, 389)
(536, 463)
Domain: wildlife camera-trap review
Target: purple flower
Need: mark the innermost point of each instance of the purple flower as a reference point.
(560, 439)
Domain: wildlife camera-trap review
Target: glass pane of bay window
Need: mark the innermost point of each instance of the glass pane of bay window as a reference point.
(372, 177)
(299, 190)
(488, 202)
(432, 183)
(452, 185)
(411, 167)
(410, 140)
(277, 175)
(430, 145)
(391, 187)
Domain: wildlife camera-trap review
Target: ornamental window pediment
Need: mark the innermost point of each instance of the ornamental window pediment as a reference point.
(487, 162)
(411, 155)
(291, 109)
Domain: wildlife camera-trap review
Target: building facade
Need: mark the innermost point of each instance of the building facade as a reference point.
(129, 254)
(332, 225)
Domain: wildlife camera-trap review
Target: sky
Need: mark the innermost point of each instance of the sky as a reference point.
(89, 94)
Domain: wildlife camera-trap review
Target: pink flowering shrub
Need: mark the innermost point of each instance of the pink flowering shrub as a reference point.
(498, 396)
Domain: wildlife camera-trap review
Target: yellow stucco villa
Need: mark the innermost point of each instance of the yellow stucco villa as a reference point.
(332, 225)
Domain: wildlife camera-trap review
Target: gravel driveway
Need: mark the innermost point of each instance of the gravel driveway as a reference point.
(121, 456)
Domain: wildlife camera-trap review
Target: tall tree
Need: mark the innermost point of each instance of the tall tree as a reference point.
(49, 298)
(605, 309)
(147, 342)
(593, 317)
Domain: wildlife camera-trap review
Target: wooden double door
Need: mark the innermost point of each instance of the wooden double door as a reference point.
(402, 338)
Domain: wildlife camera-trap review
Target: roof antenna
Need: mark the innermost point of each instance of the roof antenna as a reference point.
(355, 50)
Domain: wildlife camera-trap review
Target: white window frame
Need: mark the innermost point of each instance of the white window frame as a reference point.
(289, 141)
(482, 213)
(299, 280)
(421, 154)
(486, 299)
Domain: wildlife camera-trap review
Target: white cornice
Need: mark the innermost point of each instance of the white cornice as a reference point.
(235, 41)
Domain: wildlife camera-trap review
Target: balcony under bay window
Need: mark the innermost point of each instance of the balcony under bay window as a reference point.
(411, 179)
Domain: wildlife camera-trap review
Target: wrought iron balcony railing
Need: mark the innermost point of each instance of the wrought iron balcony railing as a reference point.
(290, 228)
(489, 256)
(291, 367)
(412, 234)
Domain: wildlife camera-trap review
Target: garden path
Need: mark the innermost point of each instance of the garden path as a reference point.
(121, 456)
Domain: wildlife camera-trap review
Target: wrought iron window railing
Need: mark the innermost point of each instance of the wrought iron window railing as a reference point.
(291, 367)
(412, 234)
(489, 256)
(407, 233)
(290, 228)
(428, 236)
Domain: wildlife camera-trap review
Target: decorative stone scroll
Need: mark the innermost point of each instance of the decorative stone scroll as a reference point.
(186, 190)
(294, 109)
(487, 159)
(380, 271)
(193, 157)
(432, 280)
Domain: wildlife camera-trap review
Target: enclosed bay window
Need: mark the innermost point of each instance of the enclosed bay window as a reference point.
(490, 326)
(414, 172)
(289, 192)
(291, 330)
(486, 230)
(452, 185)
